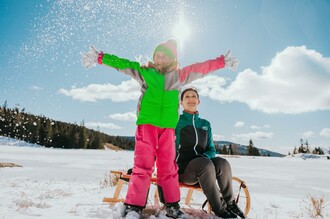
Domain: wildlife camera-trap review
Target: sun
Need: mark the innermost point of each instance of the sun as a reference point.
(181, 31)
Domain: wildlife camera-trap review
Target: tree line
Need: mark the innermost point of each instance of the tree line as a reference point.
(232, 149)
(44, 131)
(305, 148)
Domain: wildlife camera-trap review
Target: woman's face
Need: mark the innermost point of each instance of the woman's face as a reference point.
(190, 101)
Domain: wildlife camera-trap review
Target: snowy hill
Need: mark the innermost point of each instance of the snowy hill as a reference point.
(14, 142)
(71, 183)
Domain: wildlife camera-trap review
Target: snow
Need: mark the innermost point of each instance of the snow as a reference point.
(68, 23)
(62, 183)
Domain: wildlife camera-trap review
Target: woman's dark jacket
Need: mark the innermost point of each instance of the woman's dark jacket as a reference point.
(193, 139)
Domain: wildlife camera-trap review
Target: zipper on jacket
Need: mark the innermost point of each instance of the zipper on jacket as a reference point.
(193, 122)
(177, 157)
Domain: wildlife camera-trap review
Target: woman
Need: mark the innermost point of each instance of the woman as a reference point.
(197, 161)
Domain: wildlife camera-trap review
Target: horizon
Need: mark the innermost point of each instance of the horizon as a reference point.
(278, 95)
(220, 142)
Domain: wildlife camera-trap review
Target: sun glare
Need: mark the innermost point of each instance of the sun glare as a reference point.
(181, 31)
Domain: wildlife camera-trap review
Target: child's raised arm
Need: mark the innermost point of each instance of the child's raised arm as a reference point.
(199, 70)
(93, 56)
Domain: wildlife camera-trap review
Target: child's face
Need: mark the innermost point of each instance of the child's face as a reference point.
(190, 101)
(161, 60)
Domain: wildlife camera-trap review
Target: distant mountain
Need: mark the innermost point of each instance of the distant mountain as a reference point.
(242, 149)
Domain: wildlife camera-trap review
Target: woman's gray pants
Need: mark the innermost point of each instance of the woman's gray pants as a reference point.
(211, 174)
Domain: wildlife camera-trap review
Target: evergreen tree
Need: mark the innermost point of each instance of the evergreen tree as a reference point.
(251, 150)
(224, 150)
(230, 149)
(82, 142)
(295, 151)
(234, 150)
(318, 150)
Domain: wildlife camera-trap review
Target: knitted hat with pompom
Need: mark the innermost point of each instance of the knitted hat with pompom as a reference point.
(169, 48)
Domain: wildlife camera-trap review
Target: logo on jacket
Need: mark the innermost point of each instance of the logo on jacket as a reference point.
(204, 128)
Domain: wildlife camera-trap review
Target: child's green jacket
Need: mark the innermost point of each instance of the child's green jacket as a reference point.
(158, 104)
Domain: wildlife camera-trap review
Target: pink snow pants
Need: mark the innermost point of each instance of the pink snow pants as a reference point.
(153, 144)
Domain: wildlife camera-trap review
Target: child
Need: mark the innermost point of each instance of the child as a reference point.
(157, 116)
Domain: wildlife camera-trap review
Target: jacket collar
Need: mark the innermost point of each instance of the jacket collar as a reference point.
(189, 116)
(169, 68)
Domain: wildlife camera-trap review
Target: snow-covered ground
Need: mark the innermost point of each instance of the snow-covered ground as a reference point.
(58, 183)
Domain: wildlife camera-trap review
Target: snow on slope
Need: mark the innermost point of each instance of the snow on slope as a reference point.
(59, 183)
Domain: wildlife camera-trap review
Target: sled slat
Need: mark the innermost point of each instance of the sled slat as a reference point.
(113, 200)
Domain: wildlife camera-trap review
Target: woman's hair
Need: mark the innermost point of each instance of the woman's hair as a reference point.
(189, 89)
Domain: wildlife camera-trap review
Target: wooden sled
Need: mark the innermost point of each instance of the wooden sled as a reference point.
(241, 192)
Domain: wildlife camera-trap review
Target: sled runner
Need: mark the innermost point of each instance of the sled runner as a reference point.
(242, 195)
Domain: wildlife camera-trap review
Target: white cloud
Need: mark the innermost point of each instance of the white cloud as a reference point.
(239, 124)
(125, 91)
(253, 135)
(296, 81)
(211, 86)
(102, 125)
(36, 88)
(266, 126)
(325, 132)
(308, 134)
(129, 116)
(217, 137)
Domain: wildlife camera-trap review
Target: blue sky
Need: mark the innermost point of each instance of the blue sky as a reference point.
(279, 94)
